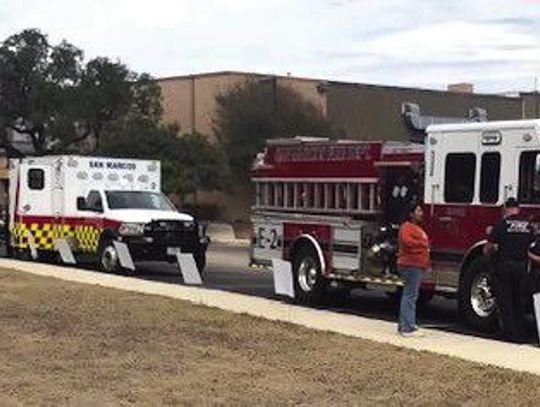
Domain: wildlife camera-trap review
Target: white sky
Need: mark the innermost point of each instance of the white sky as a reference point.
(494, 44)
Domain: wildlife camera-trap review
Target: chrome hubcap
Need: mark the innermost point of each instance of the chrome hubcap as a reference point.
(109, 258)
(307, 274)
(482, 295)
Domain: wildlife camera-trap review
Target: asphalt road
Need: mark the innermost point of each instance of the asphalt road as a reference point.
(227, 269)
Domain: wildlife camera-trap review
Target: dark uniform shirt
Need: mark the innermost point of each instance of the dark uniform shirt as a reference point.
(512, 236)
(534, 248)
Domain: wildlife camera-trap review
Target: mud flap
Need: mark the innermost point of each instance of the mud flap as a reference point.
(32, 245)
(188, 268)
(62, 247)
(124, 256)
(283, 277)
(187, 265)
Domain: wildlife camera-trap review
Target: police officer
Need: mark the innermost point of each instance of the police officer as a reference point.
(512, 236)
(534, 257)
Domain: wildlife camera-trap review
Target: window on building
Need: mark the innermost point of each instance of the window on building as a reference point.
(489, 177)
(36, 179)
(459, 177)
(529, 177)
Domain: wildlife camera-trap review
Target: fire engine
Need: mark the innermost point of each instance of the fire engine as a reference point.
(90, 202)
(332, 208)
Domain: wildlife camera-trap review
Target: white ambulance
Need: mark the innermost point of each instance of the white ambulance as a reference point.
(90, 202)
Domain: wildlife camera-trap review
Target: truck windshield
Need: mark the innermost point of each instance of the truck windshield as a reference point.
(138, 200)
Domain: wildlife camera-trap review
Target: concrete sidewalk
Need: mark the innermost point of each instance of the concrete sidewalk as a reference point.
(524, 358)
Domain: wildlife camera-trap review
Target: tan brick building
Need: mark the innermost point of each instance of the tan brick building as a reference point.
(190, 101)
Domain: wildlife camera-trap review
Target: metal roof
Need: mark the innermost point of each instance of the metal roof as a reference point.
(483, 126)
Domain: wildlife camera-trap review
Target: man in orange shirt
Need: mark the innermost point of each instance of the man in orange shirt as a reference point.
(413, 260)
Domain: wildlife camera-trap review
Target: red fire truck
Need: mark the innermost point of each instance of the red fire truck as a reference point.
(332, 208)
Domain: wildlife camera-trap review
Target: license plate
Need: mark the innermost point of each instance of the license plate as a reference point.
(171, 251)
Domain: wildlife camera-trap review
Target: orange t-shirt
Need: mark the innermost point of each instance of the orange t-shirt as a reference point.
(413, 246)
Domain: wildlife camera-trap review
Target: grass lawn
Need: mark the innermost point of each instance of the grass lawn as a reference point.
(68, 343)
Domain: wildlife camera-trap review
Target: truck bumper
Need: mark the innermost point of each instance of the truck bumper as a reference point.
(148, 249)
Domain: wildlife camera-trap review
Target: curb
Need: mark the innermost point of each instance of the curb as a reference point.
(230, 242)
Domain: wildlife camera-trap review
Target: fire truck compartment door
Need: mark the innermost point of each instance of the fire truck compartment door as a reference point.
(346, 244)
(35, 194)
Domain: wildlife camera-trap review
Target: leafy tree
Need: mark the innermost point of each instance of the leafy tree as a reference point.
(49, 94)
(252, 112)
(189, 163)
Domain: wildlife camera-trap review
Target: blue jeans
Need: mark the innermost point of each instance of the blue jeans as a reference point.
(412, 277)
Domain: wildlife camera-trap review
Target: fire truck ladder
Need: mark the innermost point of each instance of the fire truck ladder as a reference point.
(318, 195)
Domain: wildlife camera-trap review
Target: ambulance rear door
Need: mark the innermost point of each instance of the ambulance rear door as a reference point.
(35, 189)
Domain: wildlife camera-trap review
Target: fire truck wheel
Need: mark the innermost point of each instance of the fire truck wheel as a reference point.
(309, 284)
(108, 257)
(476, 296)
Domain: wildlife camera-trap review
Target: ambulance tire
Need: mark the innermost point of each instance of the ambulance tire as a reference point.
(49, 256)
(108, 257)
(309, 283)
(22, 254)
(476, 296)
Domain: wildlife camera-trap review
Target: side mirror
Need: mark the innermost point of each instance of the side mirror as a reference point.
(81, 204)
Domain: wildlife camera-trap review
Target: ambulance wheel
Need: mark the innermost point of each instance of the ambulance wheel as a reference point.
(109, 260)
(477, 304)
(22, 254)
(49, 256)
(309, 283)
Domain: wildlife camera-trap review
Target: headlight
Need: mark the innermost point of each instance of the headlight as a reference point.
(131, 229)
(188, 224)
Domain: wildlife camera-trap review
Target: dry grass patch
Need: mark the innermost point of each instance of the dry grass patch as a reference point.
(67, 343)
